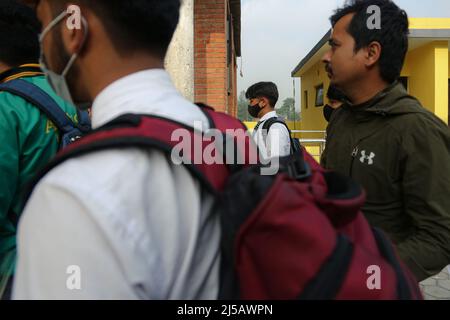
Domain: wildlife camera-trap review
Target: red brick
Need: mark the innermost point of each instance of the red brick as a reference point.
(211, 51)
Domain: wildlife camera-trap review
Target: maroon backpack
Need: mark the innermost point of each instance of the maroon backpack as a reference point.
(298, 234)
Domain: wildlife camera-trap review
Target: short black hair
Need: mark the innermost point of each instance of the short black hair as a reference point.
(266, 90)
(19, 33)
(134, 24)
(392, 36)
(334, 93)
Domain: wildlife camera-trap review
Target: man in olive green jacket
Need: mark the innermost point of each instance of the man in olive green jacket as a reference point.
(28, 139)
(384, 139)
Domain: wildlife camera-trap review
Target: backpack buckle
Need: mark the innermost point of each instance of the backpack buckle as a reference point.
(71, 137)
(76, 138)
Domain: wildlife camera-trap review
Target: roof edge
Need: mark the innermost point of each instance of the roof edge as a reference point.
(413, 33)
(429, 33)
(314, 50)
(235, 8)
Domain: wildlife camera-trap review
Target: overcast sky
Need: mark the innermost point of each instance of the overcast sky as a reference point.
(277, 34)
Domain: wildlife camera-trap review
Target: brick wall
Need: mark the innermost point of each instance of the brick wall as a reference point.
(211, 71)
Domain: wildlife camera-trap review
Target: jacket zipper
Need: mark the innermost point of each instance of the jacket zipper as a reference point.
(354, 155)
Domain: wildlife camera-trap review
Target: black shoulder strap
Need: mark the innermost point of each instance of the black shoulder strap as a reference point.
(44, 102)
(203, 107)
(388, 252)
(269, 123)
(141, 131)
(122, 132)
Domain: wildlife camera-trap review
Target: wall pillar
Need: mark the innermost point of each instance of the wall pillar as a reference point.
(180, 57)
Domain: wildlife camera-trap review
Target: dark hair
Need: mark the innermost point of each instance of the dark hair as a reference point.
(392, 36)
(334, 93)
(134, 24)
(267, 90)
(19, 30)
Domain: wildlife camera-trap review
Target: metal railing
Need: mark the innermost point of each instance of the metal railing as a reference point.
(319, 142)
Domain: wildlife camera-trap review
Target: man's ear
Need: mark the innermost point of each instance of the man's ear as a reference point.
(74, 31)
(265, 102)
(373, 53)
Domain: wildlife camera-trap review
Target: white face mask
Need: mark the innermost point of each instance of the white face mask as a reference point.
(58, 82)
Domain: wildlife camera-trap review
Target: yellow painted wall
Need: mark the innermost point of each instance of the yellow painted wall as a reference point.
(312, 116)
(406, 71)
(449, 66)
(441, 79)
(421, 74)
(250, 125)
(429, 23)
(427, 69)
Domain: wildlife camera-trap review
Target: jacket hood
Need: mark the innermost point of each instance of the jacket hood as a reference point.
(394, 100)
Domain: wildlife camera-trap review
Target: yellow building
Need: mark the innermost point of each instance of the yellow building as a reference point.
(426, 74)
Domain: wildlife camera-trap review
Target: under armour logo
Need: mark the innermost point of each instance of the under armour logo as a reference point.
(365, 157)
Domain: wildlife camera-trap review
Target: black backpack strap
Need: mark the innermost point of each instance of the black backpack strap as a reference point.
(258, 125)
(331, 276)
(203, 108)
(267, 125)
(46, 104)
(388, 252)
(295, 147)
(139, 131)
(84, 121)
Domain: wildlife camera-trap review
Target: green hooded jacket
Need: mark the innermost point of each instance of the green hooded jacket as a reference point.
(400, 153)
(28, 141)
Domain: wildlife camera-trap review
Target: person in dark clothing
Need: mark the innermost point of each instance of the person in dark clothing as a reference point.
(384, 139)
(335, 100)
(29, 138)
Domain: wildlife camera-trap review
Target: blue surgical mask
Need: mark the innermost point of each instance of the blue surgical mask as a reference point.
(58, 82)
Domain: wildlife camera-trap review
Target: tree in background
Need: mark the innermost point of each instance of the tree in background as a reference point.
(242, 113)
(287, 110)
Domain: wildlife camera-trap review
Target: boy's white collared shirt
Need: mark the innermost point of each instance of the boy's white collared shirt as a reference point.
(278, 143)
(135, 225)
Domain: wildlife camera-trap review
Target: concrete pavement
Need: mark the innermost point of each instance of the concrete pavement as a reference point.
(437, 287)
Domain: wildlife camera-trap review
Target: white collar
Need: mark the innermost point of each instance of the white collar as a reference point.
(267, 116)
(140, 92)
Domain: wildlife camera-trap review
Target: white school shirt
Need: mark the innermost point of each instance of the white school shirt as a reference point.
(122, 224)
(278, 143)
